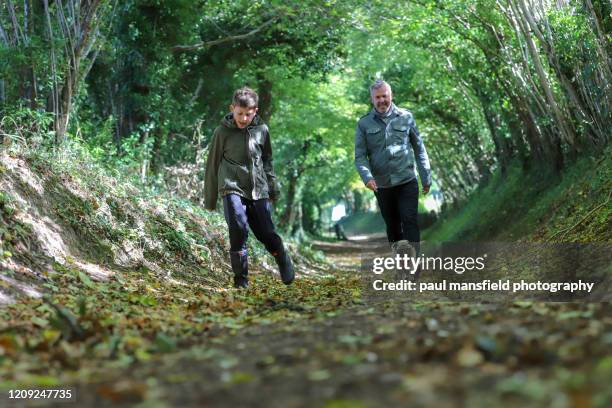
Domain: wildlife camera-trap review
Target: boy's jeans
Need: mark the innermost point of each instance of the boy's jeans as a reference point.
(399, 207)
(240, 213)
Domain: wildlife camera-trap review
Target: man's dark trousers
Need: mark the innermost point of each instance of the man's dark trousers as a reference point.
(399, 207)
(240, 213)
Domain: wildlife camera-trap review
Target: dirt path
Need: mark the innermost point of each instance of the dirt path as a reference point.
(393, 352)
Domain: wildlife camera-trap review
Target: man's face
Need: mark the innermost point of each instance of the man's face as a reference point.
(381, 98)
(243, 116)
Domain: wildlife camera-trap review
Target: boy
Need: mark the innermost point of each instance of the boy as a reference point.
(239, 168)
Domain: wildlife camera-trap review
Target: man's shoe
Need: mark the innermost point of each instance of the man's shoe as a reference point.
(401, 248)
(285, 266)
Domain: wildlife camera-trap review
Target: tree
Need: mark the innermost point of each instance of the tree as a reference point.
(52, 44)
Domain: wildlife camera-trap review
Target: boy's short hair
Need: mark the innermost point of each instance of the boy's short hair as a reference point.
(245, 98)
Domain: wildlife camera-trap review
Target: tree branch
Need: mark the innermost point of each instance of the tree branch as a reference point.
(565, 231)
(206, 44)
(4, 37)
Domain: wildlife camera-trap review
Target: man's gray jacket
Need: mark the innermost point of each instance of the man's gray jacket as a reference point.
(386, 152)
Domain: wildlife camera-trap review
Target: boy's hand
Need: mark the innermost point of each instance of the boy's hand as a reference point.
(426, 189)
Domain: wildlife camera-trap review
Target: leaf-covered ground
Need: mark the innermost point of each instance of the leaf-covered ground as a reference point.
(320, 342)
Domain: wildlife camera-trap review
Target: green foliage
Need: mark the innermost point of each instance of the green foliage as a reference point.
(569, 208)
(26, 127)
(313, 133)
(162, 92)
(364, 223)
(164, 73)
(573, 38)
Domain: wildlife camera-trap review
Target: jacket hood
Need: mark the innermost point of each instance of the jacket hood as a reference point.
(229, 122)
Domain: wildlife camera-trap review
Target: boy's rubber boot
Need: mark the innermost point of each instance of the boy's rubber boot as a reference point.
(240, 267)
(285, 266)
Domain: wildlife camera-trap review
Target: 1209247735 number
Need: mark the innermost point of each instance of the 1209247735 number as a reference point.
(62, 394)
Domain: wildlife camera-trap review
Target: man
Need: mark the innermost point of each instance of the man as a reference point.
(387, 144)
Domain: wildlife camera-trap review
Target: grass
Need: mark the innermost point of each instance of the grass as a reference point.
(364, 223)
(535, 206)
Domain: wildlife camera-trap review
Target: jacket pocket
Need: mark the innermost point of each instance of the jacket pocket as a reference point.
(261, 188)
(232, 176)
(373, 136)
(399, 134)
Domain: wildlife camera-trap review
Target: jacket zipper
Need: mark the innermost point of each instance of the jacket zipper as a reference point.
(385, 125)
(248, 143)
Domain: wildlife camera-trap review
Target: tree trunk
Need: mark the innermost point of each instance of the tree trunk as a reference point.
(501, 152)
(602, 39)
(297, 228)
(580, 111)
(80, 35)
(157, 161)
(53, 99)
(289, 205)
(521, 141)
(359, 202)
(525, 19)
(265, 98)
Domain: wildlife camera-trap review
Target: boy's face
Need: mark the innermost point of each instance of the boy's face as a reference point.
(243, 116)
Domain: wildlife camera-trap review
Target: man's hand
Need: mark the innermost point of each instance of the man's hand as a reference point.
(426, 189)
(372, 185)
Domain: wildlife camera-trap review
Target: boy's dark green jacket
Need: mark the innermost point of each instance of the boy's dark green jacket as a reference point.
(240, 161)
